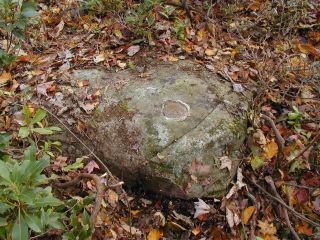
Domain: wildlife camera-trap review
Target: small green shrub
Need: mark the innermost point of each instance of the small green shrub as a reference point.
(25, 203)
(32, 123)
(79, 229)
(102, 6)
(15, 17)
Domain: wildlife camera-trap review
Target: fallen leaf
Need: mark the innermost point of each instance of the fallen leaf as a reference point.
(238, 185)
(247, 214)
(173, 59)
(132, 50)
(132, 230)
(232, 217)
(91, 166)
(256, 163)
(211, 52)
(271, 150)
(303, 228)
(259, 137)
(225, 163)
(112, 198)
(159, 219)
(201, 208)
(99, 58)
(121, 64)
(43, 88)
(196, 231)
(57, 30)
(267, 228)
(5, 77)
(154, 234)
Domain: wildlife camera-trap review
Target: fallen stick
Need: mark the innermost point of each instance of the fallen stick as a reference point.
(270, 181)
(299, 215)
(279, 139)
(316, 138)
(99, 196)
(100, 162)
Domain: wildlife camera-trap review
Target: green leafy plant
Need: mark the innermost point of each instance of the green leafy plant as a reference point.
(102, 6)
(15, 17)
(31, 124)
(25, 203)
(294, 117)
(143, 17)
(79, 229)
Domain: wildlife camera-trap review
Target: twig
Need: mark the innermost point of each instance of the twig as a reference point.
(99, 196)
(270, 181)
(299, 215)
(279, 138)
(316, 138)
(101, 163)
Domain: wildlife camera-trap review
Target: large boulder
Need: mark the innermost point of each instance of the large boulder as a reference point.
(176, 129)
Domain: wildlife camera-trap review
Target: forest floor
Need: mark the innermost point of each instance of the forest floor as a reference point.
(270, 48)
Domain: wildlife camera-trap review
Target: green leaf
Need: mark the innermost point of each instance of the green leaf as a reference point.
(34, 222)
(257, 162)
(86, 217)
(30, 153)
(4, 207)
(78, 164)
(4, 171)
(43, 131)
(57, 129)
(26, 112)
(28, 9)
(24, 132)
(39, 115)
(47, 201)
(54, 220)
(4, 139)
(20, 229)
(3, 222)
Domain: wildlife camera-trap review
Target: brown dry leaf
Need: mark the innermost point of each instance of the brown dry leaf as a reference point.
(173, 59)
(155, 234)
(271, 149)
(112, 198)
(211, 52)
(290, 192)
(247, 214)
(99, 58)
(303, 228)
(309, 49)
(255, 6)
(57, 30)
(200, 34)
(259, 137)
(314, 36)
(267, 229)
(135, 212)
(225, 163)
(5, 77)
(196, 231)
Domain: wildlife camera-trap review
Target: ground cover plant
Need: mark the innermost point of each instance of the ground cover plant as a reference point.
(270, 48)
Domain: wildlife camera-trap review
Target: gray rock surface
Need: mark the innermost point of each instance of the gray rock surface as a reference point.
(169, 129)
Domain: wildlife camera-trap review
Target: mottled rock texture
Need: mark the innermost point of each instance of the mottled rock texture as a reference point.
(168, 129)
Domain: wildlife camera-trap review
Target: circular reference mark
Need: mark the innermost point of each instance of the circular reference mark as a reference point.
(175, 110)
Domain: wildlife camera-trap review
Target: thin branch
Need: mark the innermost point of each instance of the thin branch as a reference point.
(99, 196)
(299, 215)
(313, 141)
(270, 181)
(101, 163)
(279, 138)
